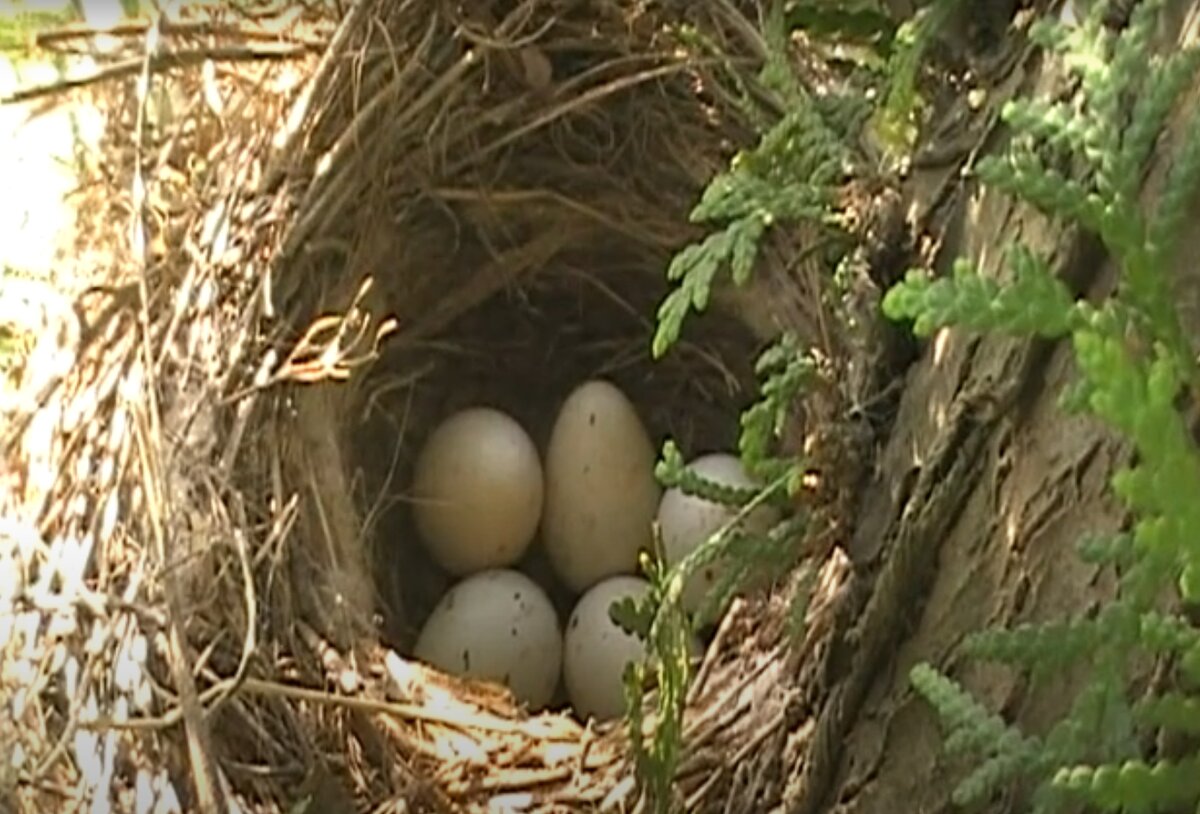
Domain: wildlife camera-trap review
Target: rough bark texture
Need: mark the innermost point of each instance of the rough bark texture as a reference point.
(981, 495)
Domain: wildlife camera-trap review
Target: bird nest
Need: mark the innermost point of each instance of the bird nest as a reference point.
(441, 206)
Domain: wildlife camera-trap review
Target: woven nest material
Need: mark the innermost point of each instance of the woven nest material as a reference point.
(450, 206)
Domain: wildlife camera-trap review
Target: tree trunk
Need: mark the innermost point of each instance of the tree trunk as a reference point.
(979, 499)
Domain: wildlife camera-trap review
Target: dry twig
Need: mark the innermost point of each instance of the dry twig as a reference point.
(163, 61)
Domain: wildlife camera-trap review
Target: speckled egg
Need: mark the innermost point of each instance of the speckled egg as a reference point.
(601, 493)
(496, 625)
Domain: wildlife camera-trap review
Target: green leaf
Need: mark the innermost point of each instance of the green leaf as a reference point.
(1024, 175)
(633, 616)
(1049, 647)
(1055, 123)
(695, 268)
(1173, 210)
(896, 120)
(789, 177)
(853, 20)
(744, 237)
(1171, 711)
(1149, 115)
(1135, 785)
(785, 372)
(1136, 367)
(1034, 302)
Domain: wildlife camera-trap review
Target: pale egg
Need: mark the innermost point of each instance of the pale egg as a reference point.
(478, 491)
(596, 649)
(601, 493)
(498, 626)
(687, 521)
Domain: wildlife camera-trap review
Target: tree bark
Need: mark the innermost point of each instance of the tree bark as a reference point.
(979, 499)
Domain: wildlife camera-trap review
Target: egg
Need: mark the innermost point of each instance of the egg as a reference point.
(686, 521)
(601, 493)
(596, 649)
(478, 491)
(497, 625)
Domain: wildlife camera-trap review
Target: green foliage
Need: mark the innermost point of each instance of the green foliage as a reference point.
(974, 729)
(747, 556)
(19, 22)
(1135, 785)
(1047, 649)
(896, 119)
(673, 473)
(794, 172)
(785, 371)
(1116, 89)
(789, 177)
(1035, 301)
(662, 621)
(1108, 549)
(659, 618)
(1134, 364)
(863, 21)
(1174, 710)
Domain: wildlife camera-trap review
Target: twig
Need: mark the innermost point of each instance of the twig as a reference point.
(584, 99)
(325, 349)
(336, 670)
(137, 28)
(160, 62)
(715, 649)
(87, 676)
(551, 199)
(323, 75)
(464, 720)
(720, 715)
(329, 190)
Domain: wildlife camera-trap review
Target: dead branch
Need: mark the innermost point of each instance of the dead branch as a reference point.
(161, 62)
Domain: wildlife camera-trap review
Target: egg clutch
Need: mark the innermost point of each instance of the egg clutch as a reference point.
(482, 494)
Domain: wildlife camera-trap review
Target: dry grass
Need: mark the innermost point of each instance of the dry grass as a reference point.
(312, 259)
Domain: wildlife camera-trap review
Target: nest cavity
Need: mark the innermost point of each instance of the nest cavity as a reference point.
(514, 213)
(589, 314)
